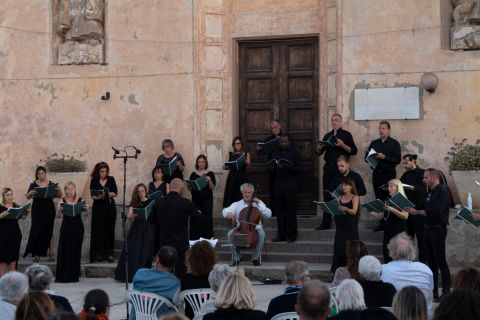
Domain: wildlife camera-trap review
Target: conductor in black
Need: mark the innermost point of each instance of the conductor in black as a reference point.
(343, 145)
(435, 209)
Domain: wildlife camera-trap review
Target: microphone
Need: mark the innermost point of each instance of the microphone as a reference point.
(116, 150)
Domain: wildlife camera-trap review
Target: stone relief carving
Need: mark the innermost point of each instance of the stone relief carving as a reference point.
(465, 31)
(80, 31)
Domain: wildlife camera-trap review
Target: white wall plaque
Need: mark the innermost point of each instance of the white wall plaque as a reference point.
(387, 103)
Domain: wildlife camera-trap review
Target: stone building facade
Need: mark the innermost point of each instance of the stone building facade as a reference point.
(172, 70)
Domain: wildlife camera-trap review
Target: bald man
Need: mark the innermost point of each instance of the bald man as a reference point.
(171, 219)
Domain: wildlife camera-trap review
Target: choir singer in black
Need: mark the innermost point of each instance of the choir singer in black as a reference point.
(388, 155)
(342, 144)
(344, 171)
(285, 189)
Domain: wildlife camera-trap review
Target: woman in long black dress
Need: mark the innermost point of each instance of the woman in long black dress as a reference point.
(157, 183)
(202, 225)
(43, 217)
(346, 225)
(70, 239)
(167, 156)
(104, 214)
(395, 220)
(140, 239)
(236, 176)
(10, 234)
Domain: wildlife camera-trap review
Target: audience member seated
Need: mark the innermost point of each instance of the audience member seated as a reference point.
(235, 301)
(96, 306)
(219, 273)
(404, 271)
(296, 273)
(409, 303)
(350, 301)
(39, 279)
(467, 278)
(200, 258)
(376, 292)
(313, 301)
(13, 286)
(355, 250)
(159, 279)
(173, 316)
(35, 305)
(64, 316)
(460, 304)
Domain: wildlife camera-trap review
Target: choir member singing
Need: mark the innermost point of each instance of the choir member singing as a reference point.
(202, 225)
(140, 239)
(10, 234)
(43, 217)
(157, 184)
(340, 143)
(104, 213)
(395, 219)
(346, 225)
(71, 236)
(237, 175)
(415, 191)
(285, 169)
(166, 158)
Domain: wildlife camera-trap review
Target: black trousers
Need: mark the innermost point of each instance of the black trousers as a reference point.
(434, 238)
(415, 225)
(286, 209)
(329, 171)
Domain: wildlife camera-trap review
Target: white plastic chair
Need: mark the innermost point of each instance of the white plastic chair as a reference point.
(199, 316)
(196, 298)
(146, 304)
(286, 316)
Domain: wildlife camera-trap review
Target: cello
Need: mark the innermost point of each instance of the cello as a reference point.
(245, 235)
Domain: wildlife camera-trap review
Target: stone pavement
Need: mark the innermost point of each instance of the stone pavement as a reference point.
(75, 293)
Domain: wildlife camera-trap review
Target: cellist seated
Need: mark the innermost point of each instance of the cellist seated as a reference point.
(233, 213)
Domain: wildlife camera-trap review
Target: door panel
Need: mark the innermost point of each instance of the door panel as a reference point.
(279, 80)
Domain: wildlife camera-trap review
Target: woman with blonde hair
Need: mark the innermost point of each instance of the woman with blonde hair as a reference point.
(395, 219)
(71, 237)
(235, 301)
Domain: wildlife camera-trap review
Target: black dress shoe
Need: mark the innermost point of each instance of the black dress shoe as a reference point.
(256, 263)
(278, 239)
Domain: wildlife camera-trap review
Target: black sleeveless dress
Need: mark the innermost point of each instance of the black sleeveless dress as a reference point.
(70, 248)
(346, 230)
(10, 238)
(176, 173)
(393, 226)
(43, 220)
(140, 244)
(234, 180)
(202, 225)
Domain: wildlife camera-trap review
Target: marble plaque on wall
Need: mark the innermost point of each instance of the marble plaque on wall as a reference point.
(387, 103)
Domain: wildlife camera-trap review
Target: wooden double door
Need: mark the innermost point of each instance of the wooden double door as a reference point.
(278, 79)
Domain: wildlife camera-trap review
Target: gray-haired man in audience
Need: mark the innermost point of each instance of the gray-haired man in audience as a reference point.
(13, 286)
(296, 273)
(313, 301)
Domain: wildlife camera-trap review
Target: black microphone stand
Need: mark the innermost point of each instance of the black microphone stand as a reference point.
(125, 158)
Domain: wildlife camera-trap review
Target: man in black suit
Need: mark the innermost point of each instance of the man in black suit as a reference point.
(171, 218)
(344, 171)
(296, 273)
(342, 145)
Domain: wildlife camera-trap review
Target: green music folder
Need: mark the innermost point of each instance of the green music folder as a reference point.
(72, 210)
(17, 213)
(237, 164)
(169, 168)
(99, 192)
(372, 161)
(157, 195)
(49, 191)
(466, 215)
(198, 184)
(399, 201)
(330, 207)
(330, 141)
(269, 146)
(145, 212)
(374, 205)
